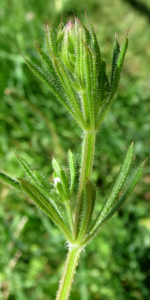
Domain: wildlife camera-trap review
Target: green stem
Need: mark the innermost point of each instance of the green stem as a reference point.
(86, 170)
(68, 274)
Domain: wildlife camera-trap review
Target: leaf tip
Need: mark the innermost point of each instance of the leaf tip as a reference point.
(146, 159)
(22, 55)
(20, 179)
(37, 45)
(16, 154)
(127, 33)
(45, 21)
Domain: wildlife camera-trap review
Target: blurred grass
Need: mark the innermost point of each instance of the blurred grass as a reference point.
(116, 265)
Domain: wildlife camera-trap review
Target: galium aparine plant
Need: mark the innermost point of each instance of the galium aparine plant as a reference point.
(78, 79)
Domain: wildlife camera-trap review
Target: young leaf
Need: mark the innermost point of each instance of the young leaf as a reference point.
(114, 60)
(45, 205)
(60, 34)
(102, 78)
(89, 84)
(41, 183)
(60, 173)
(10, 181)
(66, 46)
(94, 43)
(67, 85)
(72, 170)
(51, 37)
(90, 196)
(61, 192)
(120, 181)
(56, 167)
(45, 188)
(79, 51)
(69, 215)
(115, 82)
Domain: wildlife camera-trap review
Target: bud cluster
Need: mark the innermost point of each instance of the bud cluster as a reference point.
(77, 72)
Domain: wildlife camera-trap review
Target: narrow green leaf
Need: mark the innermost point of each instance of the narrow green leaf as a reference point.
(65, 49)
(10, 181)
(119, 203)
(69, 214)
(48, 62)
(27, 169)
(114, 60)
(89, 84)
(79, 36)
(42, 185)
(42, 181)
(94, 43)
(60, 189)
(50, 85)
(67, 85)
(102, 79)
(72, 170)
(90, 196)
(60, 34)
(50, 195)
(126, 193)
(60, 173)
(56, 166)
(115, 82)
(80, 39)
(120, 181)
(51, 36)
(45, 205)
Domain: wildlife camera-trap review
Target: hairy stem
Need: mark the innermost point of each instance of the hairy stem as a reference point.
(68, 273)
(86, 170)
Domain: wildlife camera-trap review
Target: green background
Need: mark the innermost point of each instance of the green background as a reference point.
(116, 265)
